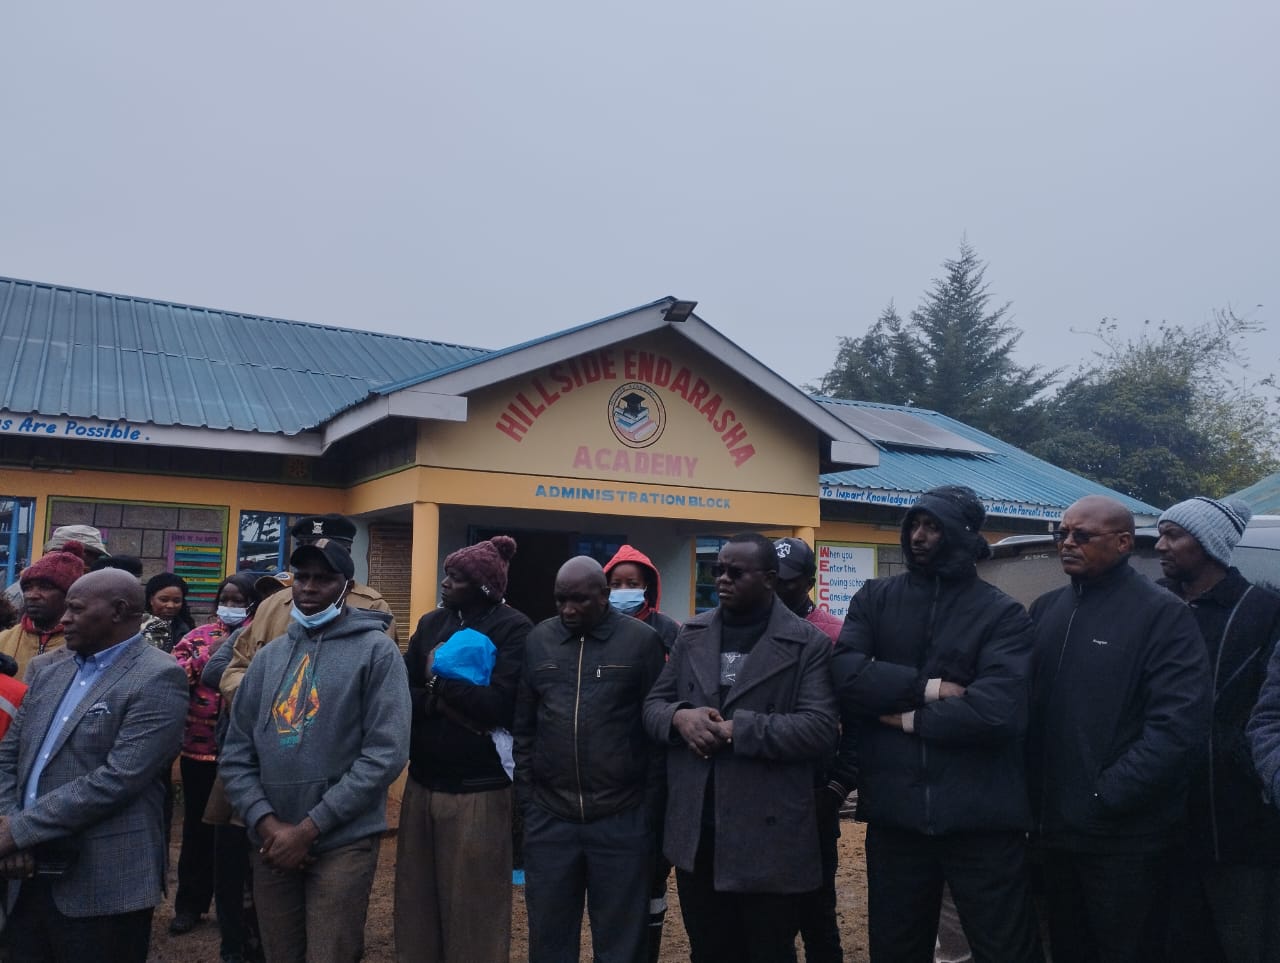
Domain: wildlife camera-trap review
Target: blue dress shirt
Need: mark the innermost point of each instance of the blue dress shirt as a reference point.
(89, 669)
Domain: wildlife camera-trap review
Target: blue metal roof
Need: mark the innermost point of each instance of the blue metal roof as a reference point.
(87, 354)
(1007, 474)
(1263, 496)
(418, 379)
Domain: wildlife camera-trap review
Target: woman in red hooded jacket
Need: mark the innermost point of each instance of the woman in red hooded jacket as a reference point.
(635, 589)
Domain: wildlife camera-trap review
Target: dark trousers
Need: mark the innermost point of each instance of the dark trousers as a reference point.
(743, 927)
(989, 880)
(196, 859)
(39, 932)
(233, 893)
(1106, 908)
(607, 861)
(818, 925)
(1223, 912)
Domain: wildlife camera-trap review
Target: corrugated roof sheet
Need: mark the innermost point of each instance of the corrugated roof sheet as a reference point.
(1006, 474)
(87, 354)
(1263, 496)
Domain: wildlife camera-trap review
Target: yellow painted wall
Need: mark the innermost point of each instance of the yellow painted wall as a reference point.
(234, 496)
(717, 430)
(548, 493)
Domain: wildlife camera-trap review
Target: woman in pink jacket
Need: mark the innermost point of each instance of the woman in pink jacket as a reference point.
(199, 757)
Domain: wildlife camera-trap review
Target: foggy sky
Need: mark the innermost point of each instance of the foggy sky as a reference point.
(487, 173)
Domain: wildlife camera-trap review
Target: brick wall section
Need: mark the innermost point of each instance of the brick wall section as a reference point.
(141, 530)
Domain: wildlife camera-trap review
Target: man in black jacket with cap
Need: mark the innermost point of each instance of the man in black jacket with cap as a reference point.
(935, 664)
(1120, 711)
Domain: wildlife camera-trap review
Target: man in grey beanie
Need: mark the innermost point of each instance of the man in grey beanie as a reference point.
(1226, 903)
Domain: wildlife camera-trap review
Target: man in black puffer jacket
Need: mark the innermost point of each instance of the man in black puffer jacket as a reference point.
(935, 663)
(1119, 714)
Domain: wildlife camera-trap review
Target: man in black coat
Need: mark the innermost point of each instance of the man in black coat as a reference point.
(935, 663)
(1227, 903)
(746, 711)
(1119, 714)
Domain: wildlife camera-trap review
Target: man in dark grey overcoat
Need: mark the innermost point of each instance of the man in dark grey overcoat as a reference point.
(745, 704)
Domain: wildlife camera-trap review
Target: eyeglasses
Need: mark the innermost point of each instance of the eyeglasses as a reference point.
(732, 572)
(1080, 536)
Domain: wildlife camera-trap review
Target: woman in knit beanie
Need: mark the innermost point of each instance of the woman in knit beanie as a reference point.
(485, 564)
(454, 846)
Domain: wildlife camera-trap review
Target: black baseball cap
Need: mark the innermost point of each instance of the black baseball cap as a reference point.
(795, 559)
(334, 554)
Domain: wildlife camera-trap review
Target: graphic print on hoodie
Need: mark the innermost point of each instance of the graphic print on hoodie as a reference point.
(297, 703)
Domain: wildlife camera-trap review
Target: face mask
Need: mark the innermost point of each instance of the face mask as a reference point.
(627, 601)
(232, 615)
(323, 617)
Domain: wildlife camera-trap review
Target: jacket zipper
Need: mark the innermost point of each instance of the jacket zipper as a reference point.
(577, 704)
(1044, 779)
(924, 749)
(1213, 796)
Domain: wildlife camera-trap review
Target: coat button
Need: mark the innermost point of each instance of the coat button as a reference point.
(690, 686)
(769, 707)
(771, 820)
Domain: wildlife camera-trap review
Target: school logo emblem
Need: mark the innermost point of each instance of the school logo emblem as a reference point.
(637, 415)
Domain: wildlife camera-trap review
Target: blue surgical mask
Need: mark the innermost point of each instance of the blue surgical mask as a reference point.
(323, 617)
(232, 615)
(627, 601)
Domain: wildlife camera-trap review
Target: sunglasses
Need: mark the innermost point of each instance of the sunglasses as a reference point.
(1080, 536)
(732, 572)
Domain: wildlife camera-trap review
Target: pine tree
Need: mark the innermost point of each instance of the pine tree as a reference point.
(955, 356)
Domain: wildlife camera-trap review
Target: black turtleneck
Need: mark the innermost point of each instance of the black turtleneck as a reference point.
(739, 633)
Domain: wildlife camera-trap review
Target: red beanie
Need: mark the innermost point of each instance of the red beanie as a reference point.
(485, 563)
(59, 568)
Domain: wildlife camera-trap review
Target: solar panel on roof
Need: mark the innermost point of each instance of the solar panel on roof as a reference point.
(903, 429)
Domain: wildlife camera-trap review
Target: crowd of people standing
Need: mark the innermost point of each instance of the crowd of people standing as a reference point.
(1100, 771)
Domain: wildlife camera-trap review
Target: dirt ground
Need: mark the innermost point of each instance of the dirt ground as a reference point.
(201, 945)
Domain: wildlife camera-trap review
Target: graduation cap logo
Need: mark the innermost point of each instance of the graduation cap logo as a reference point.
(636, 415)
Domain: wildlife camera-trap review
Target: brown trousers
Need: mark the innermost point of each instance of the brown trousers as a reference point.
(317, 914)
(453, 876)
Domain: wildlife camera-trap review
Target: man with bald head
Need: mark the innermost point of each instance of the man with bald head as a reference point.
(587, 778)
(82, 783)
(1120, 712)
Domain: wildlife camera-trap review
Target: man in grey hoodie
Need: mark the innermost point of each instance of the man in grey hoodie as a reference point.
(319, 731)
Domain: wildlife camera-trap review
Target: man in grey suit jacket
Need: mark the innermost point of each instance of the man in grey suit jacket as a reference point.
(82, 776)
(746, 706)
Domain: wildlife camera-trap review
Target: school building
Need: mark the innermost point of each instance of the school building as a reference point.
(191, 437)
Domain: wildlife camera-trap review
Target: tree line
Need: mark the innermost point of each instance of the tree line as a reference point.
(1161, 416)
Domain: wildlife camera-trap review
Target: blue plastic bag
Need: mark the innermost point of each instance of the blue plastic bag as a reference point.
(468, 655)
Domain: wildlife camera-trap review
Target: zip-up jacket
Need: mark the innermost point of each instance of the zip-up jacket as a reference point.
(1230, 819)
(450, 747)
(580, 747)
(961, 767)
(1120, 713)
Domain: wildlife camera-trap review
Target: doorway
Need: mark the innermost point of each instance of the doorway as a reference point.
(531, 579)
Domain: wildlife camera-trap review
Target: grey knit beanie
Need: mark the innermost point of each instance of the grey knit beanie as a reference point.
(1216, 525)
